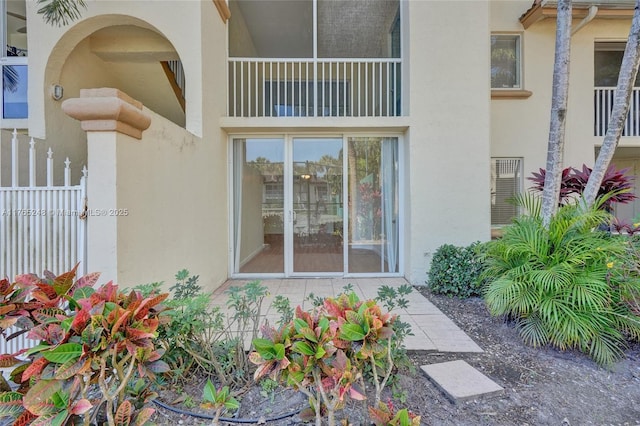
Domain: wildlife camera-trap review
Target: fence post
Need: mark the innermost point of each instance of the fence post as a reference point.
(112, 119)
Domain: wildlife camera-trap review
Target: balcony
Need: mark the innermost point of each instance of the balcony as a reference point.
(603, 104)
(265, 87)
(314, 58)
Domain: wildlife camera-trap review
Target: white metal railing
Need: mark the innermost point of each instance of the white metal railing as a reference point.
(603, 104)
(41, 227)
(178, 72)
(267, 87)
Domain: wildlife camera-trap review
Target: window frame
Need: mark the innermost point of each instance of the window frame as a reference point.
(609, 45)
(494, 192)
(11, 123)
(5, 60)
(519, 61)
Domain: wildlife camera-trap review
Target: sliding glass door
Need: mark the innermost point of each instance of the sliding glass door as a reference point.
(373, 205)
(316, 206)
(258, 205)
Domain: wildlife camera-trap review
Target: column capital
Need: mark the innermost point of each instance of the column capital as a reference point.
(108, 110)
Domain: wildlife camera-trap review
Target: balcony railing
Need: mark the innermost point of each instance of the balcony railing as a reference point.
(603, 104)
(260, 87)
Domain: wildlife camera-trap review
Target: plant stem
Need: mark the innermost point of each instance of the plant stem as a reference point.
(376, 381)
(313, 399)
(331, 406)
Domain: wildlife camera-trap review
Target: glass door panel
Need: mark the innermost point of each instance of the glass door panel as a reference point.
(317, 205)
(373, 204)
(258, 204)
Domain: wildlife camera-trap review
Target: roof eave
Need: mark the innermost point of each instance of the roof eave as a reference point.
(543, 10)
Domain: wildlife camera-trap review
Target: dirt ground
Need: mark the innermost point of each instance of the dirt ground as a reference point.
(541, 386)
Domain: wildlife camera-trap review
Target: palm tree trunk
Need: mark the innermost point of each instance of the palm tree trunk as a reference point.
(621, 99)
(555, 148)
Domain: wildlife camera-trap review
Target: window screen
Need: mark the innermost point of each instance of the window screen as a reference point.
(505, 61)
(506, 182)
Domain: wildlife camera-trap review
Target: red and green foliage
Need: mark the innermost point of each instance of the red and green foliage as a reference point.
(384, 415)
(323, 352)
(615, 183)
(89, 338)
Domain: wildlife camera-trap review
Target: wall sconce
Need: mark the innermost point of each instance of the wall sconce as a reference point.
(57, 92)
(305, 176)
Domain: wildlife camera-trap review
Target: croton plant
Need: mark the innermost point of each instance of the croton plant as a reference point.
(323, 353)
(93, 343)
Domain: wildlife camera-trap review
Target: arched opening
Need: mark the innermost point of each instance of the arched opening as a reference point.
(116, 51)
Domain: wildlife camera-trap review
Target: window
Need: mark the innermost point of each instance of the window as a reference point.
(273, 192)
(13, 62)
(14, 91)
(295, 98)
(506, 61)
(607, 58)
(506, 182)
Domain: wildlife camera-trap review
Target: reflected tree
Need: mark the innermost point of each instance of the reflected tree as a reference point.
(10, 78)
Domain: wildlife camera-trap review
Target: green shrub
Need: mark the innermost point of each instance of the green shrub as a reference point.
(566, 285)
(455, 271)
(201, 338)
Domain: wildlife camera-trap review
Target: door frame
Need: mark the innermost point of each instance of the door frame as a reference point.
(289, 208)
(287, 138)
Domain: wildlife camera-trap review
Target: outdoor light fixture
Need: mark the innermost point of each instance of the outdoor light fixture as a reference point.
(305, 176)
(57, 92)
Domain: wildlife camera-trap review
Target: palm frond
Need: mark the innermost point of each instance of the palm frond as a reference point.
(533, 331)
(568, 285)
(530, 202)
(606, 349)
(10, 78)
(60, 12)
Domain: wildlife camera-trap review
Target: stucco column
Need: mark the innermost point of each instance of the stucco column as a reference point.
(112, 120)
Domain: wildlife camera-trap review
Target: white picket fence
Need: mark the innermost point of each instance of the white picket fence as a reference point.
(41, 227)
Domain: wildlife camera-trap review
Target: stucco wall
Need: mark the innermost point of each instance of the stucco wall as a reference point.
(213, 104)
(240, 42)
(174, 181)
(447, 146)
(169, 225)
(50, 47)
(520, 127)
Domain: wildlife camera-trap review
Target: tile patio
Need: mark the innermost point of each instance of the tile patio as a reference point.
(433, 331)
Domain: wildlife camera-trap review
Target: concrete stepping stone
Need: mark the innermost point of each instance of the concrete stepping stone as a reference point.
(460, 381)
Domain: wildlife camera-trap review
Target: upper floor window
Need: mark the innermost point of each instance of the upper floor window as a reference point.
(506, 61)
(13, 62)
(607, 58)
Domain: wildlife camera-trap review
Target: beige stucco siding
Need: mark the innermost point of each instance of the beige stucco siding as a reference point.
(174, 181)
(520, 127)
(447, 151)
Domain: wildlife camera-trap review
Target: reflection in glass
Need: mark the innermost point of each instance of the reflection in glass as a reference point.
(259, 205)
(505, 61)
(373, 204)
(14, 87)
(317, 205)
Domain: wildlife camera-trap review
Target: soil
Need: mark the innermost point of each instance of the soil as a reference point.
(542, 386)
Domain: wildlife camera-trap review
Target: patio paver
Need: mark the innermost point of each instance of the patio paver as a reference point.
(433, 330)
(460, 381)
